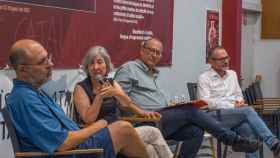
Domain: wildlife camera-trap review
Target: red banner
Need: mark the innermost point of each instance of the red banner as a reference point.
(69, 28)
(212, 30)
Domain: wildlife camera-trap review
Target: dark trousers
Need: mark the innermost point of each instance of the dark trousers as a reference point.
(186, 123)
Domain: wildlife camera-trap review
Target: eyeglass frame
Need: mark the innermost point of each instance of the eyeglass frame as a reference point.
(153, 50)
(221, 59)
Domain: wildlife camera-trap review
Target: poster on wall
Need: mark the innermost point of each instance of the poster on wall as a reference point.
(69, 28)
(212, 30)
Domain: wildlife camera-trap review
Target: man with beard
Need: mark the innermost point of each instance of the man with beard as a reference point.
(219, 87)
(41, 124)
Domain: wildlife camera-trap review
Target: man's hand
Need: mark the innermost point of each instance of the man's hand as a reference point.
(148, 114)
(101, 123)
(239, 104)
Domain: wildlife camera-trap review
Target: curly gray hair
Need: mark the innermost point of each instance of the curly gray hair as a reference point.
(91, 55)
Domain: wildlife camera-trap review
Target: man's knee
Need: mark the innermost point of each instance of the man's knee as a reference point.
(249, 111)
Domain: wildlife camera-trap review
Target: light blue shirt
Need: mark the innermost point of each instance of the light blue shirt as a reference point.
(141, 85)
(41, 125)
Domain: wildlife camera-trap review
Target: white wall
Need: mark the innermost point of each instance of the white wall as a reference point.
(267, 63)
(188, 55)
(189, 50)
(264, 53)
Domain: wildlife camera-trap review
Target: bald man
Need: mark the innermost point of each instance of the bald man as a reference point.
(41, 124)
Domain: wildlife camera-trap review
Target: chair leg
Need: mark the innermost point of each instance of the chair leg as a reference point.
(225, 151)
(177, 150)
(261, 155)
(211, 141)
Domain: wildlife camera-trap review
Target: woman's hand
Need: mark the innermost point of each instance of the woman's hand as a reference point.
(109, 90)
(239, 104)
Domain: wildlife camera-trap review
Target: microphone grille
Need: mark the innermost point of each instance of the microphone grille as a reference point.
(99, 78)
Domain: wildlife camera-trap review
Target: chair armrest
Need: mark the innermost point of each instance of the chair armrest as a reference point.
(69, 152)
(136, 118)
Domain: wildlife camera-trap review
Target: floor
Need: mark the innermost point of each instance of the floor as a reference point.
(231, 154)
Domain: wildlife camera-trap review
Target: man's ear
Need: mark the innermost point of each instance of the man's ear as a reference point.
(143, 43)
(21, 68)
(210, 61)
(142, 51)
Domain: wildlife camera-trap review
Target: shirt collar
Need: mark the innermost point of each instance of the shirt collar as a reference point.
(21, 83)
(144, 67)
(214, 74)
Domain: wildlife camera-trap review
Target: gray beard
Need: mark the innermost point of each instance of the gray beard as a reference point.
(35, 83)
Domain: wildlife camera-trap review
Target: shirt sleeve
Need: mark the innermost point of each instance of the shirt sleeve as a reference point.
(123, 77)
(204, 94)
(238, 91)
(40, 125)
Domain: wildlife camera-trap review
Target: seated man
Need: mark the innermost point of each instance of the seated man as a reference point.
(139, 79)
(41, 124)
(219, 87)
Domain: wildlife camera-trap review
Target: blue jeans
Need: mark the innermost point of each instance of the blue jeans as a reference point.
(253, 125)
(186, 123)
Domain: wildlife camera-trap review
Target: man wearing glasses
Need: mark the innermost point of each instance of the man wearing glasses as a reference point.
(139, 79)
(219, 87)
(41, 124)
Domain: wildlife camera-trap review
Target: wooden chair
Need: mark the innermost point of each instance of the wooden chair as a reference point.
(270, 107)
(18, 153)
(267, 104)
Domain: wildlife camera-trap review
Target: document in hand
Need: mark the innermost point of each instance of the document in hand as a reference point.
(200, 104)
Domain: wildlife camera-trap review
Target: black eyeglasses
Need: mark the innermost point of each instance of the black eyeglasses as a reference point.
(221, 59)
(153, 51)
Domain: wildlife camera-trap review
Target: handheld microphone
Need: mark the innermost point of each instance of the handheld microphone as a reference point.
(100, 79)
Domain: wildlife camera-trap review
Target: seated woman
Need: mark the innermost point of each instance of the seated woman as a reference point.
(96, 98)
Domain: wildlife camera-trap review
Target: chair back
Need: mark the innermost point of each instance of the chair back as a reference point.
(257, 89)
(11, 129)
(192, 89)
(249, 96)
(252, 93)
(245, 96)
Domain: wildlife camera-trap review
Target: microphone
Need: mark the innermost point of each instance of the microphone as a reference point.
(99, 79)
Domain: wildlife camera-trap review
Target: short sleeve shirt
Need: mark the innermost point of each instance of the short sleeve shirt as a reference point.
(40, 123)
(142, 85)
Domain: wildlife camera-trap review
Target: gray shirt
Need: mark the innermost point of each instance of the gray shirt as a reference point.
(141, 85)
